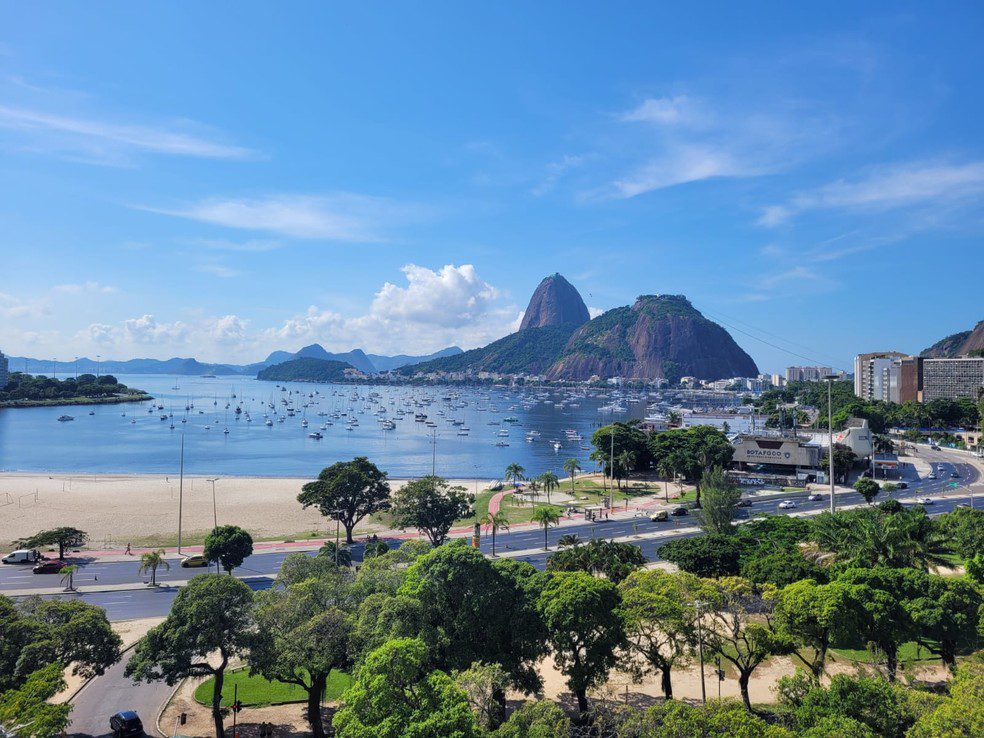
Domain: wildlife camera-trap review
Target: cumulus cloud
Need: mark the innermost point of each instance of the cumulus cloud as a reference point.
(146, 330)
(229, 329)
(452, 296)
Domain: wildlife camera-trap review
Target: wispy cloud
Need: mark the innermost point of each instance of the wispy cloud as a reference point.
(887, 188)
(663, 111)
(340, 216)
(250, 246)
(78, 289)
(94, 138)
(680, 166)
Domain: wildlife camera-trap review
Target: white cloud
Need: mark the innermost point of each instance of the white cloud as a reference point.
(250, 246)
(453, 296)
(219, 270)
(84, 287)
(594, 312)
(341, 216)
(15, 307)
(146, 330)
(889, 187)
(680, 166)
(555, 170)
(662, 111)
(229, 329)
(101, 334)
(94, 137)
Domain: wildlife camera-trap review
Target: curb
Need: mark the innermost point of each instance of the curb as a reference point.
(167, 704)
(84, 684)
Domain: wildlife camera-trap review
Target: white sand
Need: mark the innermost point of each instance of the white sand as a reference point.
(115, 509)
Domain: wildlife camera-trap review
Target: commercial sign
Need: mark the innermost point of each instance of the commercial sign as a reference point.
(782, 451)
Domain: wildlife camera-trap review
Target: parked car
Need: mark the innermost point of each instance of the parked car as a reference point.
(22, 556)
(787, 505)
(901, 485)
(931, 475)
(660, 516)
(954, 475)
(815, 496)
(679, 510)
(193, 561)
(934, 447)
(126, 723)
(49, 566)
(744, 502)
(925, 501)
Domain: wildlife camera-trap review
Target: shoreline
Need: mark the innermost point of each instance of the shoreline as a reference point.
(74, 402)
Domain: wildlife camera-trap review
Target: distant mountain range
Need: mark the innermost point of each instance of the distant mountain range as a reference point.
(305, 369)
(357, 358)
(959, 344)
(660, 336)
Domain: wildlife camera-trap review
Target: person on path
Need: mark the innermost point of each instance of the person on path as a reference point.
(128, 552)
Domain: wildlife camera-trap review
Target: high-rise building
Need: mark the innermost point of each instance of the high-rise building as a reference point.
(949, 379)
(807, 373)
(877, 376)
(4, 370)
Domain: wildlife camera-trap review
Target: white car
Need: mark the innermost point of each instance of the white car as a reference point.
(924, 501)
(787, 505)
(815, 496)
(931, 475)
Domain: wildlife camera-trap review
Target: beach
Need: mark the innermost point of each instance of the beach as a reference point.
(116, 509)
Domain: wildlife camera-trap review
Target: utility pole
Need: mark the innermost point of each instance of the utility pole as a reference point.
(611, 469)
(434, 453)
(181, 474)
(830, 437)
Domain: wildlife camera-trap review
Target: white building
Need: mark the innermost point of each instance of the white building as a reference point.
(877, 376)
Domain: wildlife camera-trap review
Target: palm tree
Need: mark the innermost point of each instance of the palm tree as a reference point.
(496, 521)
(546, 516)
(514, 473)
(151, 562)
(68, 575)
(572, 467)
(666, 471)
(569, 539)
(549, 482)
(532, 488)
(624, 463)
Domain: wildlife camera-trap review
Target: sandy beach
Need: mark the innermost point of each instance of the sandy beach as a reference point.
(119, 508)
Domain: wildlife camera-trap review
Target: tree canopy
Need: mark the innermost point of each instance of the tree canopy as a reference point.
(348, 491)
(431, 505)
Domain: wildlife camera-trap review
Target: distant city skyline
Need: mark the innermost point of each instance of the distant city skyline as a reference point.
(401, 182)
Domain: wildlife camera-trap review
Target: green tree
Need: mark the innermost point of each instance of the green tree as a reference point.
(339, 555)
(844, 461)
(611, 441)
(946, 618)
(691, 452)
(545, 516)
(541, 719)
(475, 610)
(64, 537)
(210, 623)
(430, 505)
(964, 527)
(720, 502)
(615, 561)
(811, 616)
(26, 711)
(584, 629)
(660, 622)
(495, 521)
(70, 632)
(549, 481)
(571, 468)
(961, 713)
(868, 488)
(779, 567)
(484, 684)
(395, 695)
(711, 555)
(152, 561)
(870, 701)
(738, 627)
(302, 635)
(348, 491)
(716, 719)
(229, 546)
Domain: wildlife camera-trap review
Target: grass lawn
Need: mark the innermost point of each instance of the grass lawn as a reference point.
(255, 690)
(909, 653)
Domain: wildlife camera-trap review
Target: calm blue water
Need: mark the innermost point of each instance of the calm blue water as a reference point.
(109, 441)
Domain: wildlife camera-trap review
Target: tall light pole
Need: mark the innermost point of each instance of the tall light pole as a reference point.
(699, 604)
(830, 436)
(181, 489)
(215, 517)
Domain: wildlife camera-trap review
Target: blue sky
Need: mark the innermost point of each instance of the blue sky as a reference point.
(223, 179)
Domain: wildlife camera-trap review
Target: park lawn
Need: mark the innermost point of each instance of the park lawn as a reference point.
(256, 691)
(910, 652)
(514, 509)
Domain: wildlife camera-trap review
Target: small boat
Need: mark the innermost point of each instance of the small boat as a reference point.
(316, 436)
(500, 444)
(92, 412)
(65, 418)
(269, 423)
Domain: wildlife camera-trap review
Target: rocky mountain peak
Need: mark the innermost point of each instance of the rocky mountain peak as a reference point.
(555, 302)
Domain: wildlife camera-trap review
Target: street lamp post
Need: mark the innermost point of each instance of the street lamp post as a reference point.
(699, 604)
(830, 437)
(215, 517)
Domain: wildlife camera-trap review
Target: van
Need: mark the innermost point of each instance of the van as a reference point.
(660, 516)
(22, 556)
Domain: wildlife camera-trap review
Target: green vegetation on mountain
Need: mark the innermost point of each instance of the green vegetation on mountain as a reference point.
(24, 390)
(531, 350)
(305, 370)
(949, 346)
